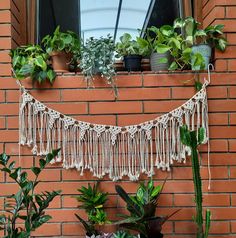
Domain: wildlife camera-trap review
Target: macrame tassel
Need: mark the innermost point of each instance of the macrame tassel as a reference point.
(127, 151)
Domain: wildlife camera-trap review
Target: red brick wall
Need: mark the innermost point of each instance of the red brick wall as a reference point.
(223, 12)
(141, 97)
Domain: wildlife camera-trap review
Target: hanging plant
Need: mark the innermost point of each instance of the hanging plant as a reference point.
(97, 57)
(32, 61)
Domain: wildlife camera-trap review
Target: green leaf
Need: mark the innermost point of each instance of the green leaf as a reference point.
(16, 173)
(161, 48)
(156, 191)
(36, 170)
(198, 85)
(4, 159)
(167, 30)
(26, 70)
(221, 44)
(51, 75)
(178, 23)
(40, 221)
(39, 61)
(173, 66)
(42, 163)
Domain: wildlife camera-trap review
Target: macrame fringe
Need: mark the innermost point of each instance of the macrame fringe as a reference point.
(113, 150)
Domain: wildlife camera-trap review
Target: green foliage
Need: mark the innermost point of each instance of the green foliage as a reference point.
(62, 41)
(193, 139)
(32, 61)
(92, 200)
(97, 56)
(142, 207)
(128, 46)
(25, 205)
(122, 234)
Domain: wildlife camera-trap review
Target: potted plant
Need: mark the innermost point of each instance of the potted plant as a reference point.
(142, 208)
(32, 61)
(61, 46)
(201, 40)
(193, 139)
(25, 210)
(131, 52)
(158, 42)
(97, 57)
(92, 200)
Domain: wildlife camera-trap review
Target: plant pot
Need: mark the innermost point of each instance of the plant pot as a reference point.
(132, 62)
(205, 50)
(155, 63)
(61, 61)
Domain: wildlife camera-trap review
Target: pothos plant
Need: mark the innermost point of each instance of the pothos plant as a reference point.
(26, 205)
(92, 200)
(32, 61)
(97, 57)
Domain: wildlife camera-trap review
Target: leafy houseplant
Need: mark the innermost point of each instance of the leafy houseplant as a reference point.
(193, 139)
(92, 200)
(63, 47)
(97, 57)
(158, 42)
(131, 52)
(25, 205)
(142, 207)
(31, 61)
(201, 40)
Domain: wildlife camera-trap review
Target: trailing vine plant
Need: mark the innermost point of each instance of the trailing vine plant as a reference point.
(25, 205)
(97, 57)
(193, 139)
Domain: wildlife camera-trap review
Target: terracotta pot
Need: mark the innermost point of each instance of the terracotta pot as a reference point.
(61, 61)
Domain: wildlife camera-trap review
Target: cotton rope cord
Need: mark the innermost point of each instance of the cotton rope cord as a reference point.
(113, 150)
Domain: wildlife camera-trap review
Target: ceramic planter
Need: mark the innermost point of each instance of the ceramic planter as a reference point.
(205, 50)
(61, 61)
(132, 62)
(155, 63)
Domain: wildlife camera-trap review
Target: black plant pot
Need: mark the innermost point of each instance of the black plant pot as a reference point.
(133, 62)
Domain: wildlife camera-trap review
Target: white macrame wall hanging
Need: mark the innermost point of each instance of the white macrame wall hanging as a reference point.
(113, 150)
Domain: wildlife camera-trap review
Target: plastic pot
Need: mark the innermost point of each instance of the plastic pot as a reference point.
(132, 62)
(61, 61)
(205, 50)
(155, 63)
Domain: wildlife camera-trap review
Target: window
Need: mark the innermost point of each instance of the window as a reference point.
(101, 17)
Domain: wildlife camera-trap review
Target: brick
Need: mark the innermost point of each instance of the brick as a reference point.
(9, 109)
(230, 52)
(72, 229)
(144, 93)
(232, 65)
(5, 43)
(41, 95)
(99, 119)
(124, 120)
(231, 38)
(87, 95)
(232, 92)
(216, 13)
(69, 108)
(232, 145)
(209, 200)
(5, 30)
(231, 12)
(227, 23)
(221, 65)
(222, 105)
(48, 229)
(161, 106)
(232, 118)
(9, 135)
(5, 16)
(223, 132)
(5, 69)
(115, 107)
(220, 159)
(218, 119)
(5, 4)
